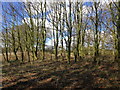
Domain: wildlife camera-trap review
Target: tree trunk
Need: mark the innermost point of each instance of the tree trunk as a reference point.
(96, 45)
(118, 30)
(69, 32)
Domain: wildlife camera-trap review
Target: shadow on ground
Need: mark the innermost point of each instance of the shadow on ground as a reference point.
(57, 75)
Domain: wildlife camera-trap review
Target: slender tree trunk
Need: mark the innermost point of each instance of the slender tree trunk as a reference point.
(28, 53)
(7, 55)
(43, 29)
(6, 46)
(69, 33)
(78, 33)
(96, 45)
(20, 45)
(56, 43)
(15, 52)
(118, 30)
(14, 46)
(27, 44)
(79, 30)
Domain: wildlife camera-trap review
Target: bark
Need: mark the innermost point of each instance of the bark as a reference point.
(56, 37)
(96, 44)
(78, 32)
(20, 45)
(43, 30)
(118, 30)
(69, 32)
(6, 46)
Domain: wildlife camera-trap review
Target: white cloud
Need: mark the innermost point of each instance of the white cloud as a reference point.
(67, 0)
(107, 1)
(56, 0)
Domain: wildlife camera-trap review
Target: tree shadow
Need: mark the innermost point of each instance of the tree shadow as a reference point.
(59, 75)
(59, 78)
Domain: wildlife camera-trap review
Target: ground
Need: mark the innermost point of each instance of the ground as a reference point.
(59, 74)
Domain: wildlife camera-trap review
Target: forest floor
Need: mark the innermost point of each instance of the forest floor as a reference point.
(60, 75)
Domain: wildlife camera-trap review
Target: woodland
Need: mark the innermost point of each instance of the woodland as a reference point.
(60, 45)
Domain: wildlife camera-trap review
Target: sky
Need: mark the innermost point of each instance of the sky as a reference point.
(5, 4)
(55, 0)
(48, 24)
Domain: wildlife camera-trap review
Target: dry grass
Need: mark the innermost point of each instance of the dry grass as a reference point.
(59, 74)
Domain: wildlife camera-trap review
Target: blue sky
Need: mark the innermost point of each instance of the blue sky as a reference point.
(6, 5)
(0, 16)
(17, 5)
